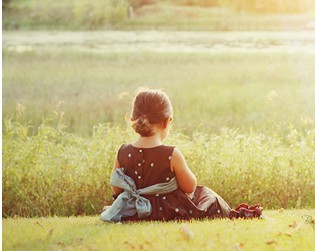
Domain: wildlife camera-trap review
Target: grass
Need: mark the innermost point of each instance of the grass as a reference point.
(281, 230)
(58, 173)
(263, 91)
(244, 121)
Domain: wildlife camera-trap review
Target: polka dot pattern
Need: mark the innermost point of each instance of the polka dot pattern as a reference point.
(152, 166)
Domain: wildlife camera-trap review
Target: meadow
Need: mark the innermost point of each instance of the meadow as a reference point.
(244, 116)
(244, 121)
(89, 84)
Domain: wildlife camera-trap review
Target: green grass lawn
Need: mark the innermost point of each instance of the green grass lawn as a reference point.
(281, 230)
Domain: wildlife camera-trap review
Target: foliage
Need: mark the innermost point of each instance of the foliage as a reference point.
(58, 173)
(203, 3)
(5, 3)
(263, 6)
(65, 14)
(256, 6)
(139, 3)
(152, 14)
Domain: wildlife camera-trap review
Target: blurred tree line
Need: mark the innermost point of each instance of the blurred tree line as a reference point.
(257, 6)
(268, 6)
(108, 14)
(80, 14)
(5, 3)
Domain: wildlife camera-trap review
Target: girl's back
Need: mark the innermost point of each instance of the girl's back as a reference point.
(146, 166)
(151, 166)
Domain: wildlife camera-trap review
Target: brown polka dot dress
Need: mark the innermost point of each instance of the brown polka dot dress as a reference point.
(150, 166)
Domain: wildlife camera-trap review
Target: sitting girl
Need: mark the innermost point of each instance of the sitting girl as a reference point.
(151, 181)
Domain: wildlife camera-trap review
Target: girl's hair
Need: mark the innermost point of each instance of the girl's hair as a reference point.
(150, 107)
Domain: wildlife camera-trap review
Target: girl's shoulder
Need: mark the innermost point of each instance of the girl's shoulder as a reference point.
(130, 146)
(129, 151)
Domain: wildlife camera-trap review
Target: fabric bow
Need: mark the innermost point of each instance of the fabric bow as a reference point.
(130, 202)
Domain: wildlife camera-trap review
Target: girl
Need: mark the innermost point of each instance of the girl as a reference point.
(150, 180)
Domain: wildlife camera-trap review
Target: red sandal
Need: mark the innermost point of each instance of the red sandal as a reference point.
(246, 212)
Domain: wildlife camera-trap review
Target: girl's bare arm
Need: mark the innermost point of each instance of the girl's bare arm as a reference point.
(186, 179)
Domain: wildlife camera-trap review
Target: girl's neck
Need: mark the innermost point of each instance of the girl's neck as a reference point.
(148, 142)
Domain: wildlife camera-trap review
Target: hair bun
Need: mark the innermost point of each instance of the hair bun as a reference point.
(143, 126)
